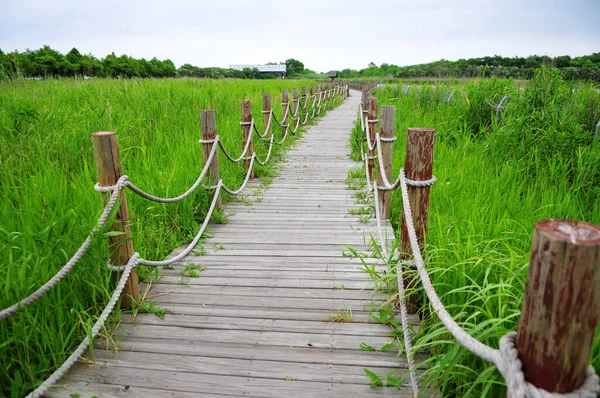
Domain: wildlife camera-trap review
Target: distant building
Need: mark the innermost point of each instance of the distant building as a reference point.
(332, 74)
(277, 70)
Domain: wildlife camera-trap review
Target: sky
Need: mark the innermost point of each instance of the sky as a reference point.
(323, 34)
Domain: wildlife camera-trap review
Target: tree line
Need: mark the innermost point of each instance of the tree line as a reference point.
(586, 67)
(48, 63)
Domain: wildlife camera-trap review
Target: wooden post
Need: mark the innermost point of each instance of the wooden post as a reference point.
(418, 166)
(318, 93)
(372, 115)
(305, 96)
(561, 306)
(388, 118)
(108, 168)
(208, 126)
(284, 107)
(246, 133)
(295, 103)
(267, 107)
(365, 102)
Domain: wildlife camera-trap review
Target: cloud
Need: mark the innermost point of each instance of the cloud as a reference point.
(322, 34)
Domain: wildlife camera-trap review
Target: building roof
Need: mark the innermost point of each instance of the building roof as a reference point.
(332, 73)
(261, 68)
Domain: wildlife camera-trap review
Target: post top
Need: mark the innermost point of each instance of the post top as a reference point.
(103, 133)
(575, 232)
(421, 130)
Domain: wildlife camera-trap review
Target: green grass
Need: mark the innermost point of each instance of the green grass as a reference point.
(495, 181)
(49, 206)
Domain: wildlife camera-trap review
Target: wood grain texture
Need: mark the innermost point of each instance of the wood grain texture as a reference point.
(561, 307)
(208, 128)
(418, 166)
(388, 119)
(108, 167)
(264, 318)
(246, 133)
(371, 130)
(267, 107)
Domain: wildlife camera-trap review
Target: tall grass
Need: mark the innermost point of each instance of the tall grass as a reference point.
(49, 205)
(496, 179)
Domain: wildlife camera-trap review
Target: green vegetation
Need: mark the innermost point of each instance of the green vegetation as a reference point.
(49, 205)
(586, 67)
(496, 178)
(46, 62)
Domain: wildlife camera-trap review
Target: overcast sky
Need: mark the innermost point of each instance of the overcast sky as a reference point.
(323, 34)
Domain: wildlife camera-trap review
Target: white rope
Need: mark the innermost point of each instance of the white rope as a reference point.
(243, 155)
(196, 238)
(264, 162)
(248, 173)
(46, 287)
(187, 193)
(60, 372)
(518, 387)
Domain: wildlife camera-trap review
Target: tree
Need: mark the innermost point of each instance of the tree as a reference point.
(293, 66)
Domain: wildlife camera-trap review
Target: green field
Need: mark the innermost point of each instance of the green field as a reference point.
(496, 178)
(49, 205)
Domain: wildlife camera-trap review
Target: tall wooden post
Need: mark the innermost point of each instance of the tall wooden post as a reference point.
(247, 134)
(561, 307)
(208, 126)
(295, 103)
(306, 98)
(266, 115)
(388, 117)
(371, 131)
(108, 168)
(285, 106)
(364, 100)
(418, 166)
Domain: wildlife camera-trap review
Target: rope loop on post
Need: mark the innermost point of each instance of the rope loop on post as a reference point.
(121, 182)
(421, 184)
(518, 387)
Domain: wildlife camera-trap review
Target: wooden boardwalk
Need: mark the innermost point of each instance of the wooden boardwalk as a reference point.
(255, 321)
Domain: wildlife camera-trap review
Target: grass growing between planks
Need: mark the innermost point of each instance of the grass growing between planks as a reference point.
(49, 206)
(496, 178)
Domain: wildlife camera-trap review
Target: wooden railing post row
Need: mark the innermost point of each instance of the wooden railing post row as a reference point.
(371, 131)
(418, 166)
(108, 168)
(388, 118)
(208, 127)
(284, 107)
(266, 108)
(247, 134)
(561, 306)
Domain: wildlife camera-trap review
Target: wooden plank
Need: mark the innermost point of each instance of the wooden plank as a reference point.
(319, 326)
(202, 383)
(268, 353)
(268, 369)
(363, 295)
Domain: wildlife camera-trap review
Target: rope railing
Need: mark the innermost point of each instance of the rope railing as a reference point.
(506, 358)
(211, 159)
